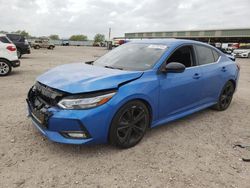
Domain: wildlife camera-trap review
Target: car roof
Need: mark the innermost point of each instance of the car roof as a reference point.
(168, 42)
(173, 43)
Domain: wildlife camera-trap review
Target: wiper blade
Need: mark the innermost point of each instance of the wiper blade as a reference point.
(110, 67)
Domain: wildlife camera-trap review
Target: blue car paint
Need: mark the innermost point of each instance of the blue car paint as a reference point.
(169, 96)
(79, 77)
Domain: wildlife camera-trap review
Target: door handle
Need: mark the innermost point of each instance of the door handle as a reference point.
(223, 69)
(196, 76)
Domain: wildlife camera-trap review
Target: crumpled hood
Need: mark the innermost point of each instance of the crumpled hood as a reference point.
(81, 78)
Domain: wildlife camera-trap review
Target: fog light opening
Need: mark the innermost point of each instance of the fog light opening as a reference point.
(77, 135)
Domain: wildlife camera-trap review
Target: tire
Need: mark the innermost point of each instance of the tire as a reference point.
(19, 53)
(51, 47)
(129, 125)
(225, 98)
(37, 47)
(5, 67)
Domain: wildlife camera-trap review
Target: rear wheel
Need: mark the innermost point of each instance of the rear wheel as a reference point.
(37, 47)
(5, 67)
(225, 97)
(129, 124)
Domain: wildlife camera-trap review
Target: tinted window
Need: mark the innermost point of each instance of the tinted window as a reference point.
(4, 40)
(14, 37)
(132, 56)
(216, 55)
(182, 55)
(205, 55)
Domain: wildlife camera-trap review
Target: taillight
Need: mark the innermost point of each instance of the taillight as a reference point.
(11, 48)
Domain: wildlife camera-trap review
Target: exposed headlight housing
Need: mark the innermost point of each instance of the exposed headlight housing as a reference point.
(85, 102)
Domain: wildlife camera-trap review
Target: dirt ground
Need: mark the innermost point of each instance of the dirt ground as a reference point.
(196, 151)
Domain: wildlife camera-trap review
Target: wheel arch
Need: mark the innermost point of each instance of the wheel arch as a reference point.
(143, 100)
(233, 81)
(4, 59)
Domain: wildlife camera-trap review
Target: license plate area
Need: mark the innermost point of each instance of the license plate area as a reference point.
(39, 113)
(38, 116)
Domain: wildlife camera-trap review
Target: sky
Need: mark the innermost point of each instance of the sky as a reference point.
(88, 17)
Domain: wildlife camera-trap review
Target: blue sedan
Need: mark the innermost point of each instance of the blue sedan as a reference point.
(139, 85)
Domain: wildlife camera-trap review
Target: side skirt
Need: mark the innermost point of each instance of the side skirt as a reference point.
(180, 115)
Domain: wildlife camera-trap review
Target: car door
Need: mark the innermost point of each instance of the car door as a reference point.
(212, 71)
(180, 92)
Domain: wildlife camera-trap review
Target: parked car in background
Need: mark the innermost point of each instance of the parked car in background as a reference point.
(65, 42)
(139, 85)
(8, 55)
(242, 51)
(226, 50)
(118, 42)
(21, 43)
(100, 44)
(42, 43)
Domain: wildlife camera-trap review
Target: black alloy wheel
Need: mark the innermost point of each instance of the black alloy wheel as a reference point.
(129, 124)
(225, 97)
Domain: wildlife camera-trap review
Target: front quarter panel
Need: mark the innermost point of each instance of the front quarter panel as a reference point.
(145, 88)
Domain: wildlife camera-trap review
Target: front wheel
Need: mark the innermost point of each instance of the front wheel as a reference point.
(225, 97)
(5, 68)
(129, 124)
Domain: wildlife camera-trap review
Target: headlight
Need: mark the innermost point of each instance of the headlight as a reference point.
(84, 103)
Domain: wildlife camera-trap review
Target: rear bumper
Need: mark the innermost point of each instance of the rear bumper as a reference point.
(26, 51)
(15, 63)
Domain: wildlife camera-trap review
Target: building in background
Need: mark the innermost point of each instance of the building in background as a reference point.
(211, 36)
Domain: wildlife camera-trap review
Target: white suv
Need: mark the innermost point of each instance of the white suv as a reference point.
(8, 56)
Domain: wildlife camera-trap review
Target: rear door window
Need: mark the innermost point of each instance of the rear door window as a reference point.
(14, 37)
(4, 40)
(204, 55)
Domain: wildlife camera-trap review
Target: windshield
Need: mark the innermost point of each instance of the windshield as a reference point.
(132, 56)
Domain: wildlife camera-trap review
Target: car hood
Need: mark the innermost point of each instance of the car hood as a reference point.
(81, 78)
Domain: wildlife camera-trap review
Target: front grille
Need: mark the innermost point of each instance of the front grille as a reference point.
(40, 98)
(50, 96)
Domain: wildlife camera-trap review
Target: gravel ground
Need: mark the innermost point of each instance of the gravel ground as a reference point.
(196, 151)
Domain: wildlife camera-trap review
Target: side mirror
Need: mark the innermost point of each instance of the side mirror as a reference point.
(174, 67)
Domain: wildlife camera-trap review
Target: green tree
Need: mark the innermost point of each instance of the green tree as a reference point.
(78, 37)
(54, 37)
(3, 32)
(99, 38)
(23, 33)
